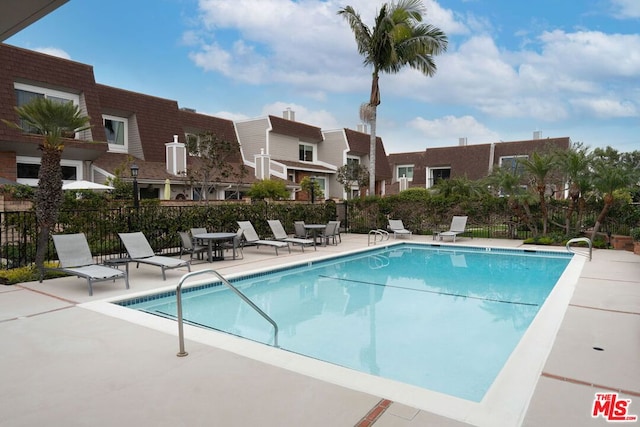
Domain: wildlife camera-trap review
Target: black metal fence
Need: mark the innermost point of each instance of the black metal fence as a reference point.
(161, 224)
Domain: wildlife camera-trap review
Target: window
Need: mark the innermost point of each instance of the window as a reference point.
(116, 129)
(406, 171)
(352, 164)
(510, 163)
(27, 93)
(305, 152)
(27, 169)
(436, 174)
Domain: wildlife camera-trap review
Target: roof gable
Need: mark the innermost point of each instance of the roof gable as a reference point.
(303, 132)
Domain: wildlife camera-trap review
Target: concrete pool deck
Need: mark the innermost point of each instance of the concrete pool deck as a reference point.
(63, 364)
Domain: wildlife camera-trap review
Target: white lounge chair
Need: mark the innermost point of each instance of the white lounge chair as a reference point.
(140, 251)
(458, 226)
(279, 233)
(251, 237)
(397, 227)
(76, 259)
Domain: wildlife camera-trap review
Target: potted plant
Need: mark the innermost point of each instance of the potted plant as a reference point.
(635, 236)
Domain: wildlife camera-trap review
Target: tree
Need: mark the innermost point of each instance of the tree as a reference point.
(538, 166)
(306, 184)
(610, 174)
(575, 164)
(54, 120)
(268, 189)
(215, 161)
(353, 174)
(397, 39)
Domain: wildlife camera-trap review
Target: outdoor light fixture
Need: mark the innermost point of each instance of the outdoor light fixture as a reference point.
(313, 189)
(134, 174)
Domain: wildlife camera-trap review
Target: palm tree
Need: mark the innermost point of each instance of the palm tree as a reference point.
(575, 164)
(610, 175)
(538, 166)
(397, 39)
(54, 120)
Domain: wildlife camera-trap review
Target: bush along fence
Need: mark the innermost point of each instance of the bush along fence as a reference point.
(488, 218)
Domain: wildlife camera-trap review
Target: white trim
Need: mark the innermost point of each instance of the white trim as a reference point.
(33, 182)
(116, 148)
(75, 98)
(404, 166)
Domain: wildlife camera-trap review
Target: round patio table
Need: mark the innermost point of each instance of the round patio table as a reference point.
(215, 251)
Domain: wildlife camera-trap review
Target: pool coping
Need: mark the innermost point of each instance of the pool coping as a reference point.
(505, 403)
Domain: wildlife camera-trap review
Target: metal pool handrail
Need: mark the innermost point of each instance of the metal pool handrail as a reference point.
(383, 234)
(580, 240)
(182, 352)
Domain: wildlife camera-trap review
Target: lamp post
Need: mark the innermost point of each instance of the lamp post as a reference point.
(134, 174)
(313, 189)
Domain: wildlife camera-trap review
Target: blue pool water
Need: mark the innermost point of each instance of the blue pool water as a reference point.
(441, 318)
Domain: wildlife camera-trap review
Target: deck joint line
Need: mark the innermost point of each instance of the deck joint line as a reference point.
(589, 384)
(375, 413)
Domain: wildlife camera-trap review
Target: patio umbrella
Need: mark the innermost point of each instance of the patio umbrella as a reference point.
(167, 189)
(85, 185)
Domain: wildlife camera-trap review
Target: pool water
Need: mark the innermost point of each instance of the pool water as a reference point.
(441, 318)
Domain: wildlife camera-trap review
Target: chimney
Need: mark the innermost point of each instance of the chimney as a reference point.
(362, 128)
(289, 114)
(176, 157)
(263, 164)
(537, 134)
(462, 141)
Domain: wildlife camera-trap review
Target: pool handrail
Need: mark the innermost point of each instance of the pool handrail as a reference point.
(580, 240)
(383, 234)
(182, 351)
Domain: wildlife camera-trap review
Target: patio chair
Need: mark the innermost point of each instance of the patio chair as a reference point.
(140, 251)
(251, 238)
(458, 226)
(280, 234)
(187, 245)
(330, 233)
(397, 227)
(299, 230)
(75, 258)
(238, 241)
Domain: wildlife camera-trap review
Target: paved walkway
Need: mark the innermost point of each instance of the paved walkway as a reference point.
(64, 364)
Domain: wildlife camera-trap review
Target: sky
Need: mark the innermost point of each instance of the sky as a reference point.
(512, 68)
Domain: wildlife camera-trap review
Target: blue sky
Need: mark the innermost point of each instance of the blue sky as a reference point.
(563, 68)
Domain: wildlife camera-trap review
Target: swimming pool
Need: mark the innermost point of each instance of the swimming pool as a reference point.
(442, 318)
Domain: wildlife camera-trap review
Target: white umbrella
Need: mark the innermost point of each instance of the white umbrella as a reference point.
(167, 189)
(85, 185)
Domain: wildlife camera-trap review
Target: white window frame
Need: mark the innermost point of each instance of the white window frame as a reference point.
(429, 176)
(410, 178)
(49, 93)
(117, 148)
(33, 182)
(313, 152)
(516, 157)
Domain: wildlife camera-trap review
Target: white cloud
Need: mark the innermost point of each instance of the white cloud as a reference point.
(319, 118)
(449, 129)
(53, 51)
(626, 9)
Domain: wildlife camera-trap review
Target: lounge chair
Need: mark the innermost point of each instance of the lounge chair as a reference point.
(76, 259)
(279, 233)
(140, 251)
(189, 246)
(397, 227)
(458, 226)
(251, 237)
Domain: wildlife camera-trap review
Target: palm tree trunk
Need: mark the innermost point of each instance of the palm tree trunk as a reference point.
(372, 151)
(48, 200)
(608, 202)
